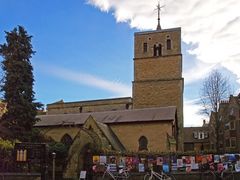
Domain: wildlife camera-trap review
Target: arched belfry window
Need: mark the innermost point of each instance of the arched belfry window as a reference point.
(143, 143)
(67, 140)
(169, 44)
(157, 50)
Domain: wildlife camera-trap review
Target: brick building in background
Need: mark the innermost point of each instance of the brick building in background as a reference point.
(229, 125)
(196, 138)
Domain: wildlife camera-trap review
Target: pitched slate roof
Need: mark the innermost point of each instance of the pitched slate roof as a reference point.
(109, 117)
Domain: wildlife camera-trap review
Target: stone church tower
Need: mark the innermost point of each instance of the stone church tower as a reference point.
(158, 80)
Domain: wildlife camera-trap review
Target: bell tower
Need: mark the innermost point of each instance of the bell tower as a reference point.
(158, 80)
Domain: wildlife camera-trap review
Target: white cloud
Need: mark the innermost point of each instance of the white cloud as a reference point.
(213, 25)
(200, 71)
(115, 87)
(192, 117)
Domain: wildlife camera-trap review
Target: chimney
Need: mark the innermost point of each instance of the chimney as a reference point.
(204, 122)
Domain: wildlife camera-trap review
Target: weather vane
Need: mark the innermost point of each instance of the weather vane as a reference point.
(159, 9)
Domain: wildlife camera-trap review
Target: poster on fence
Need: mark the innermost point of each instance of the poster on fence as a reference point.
(237, 166)
(188, 168)
(129, 163)
(122, 162)
(194, 166)
(141, 167)
(166, 168)
(198, 158)
(112, 160)
(192, 159)
(216, 158)
(179, 163)
(159, 161)
(96, 159)
(103, 159)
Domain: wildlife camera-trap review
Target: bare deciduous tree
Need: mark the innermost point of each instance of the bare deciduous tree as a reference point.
(215, 88)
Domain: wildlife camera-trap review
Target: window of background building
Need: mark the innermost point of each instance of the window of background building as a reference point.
(233, 142)
(232, 125)
(195, 135)
(227, 142)
(227, 126)
(213, 146)
(145, 47)
(200, 135)
(205, 135)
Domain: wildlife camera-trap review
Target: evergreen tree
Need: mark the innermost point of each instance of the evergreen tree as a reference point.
(17, 83)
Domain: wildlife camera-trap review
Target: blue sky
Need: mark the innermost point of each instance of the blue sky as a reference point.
(84, 49)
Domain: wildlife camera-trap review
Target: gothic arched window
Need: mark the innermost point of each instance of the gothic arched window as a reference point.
(169, 44)
(67, 140)
(143, 143)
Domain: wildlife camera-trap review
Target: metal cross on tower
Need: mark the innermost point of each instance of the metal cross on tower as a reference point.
(159, 9)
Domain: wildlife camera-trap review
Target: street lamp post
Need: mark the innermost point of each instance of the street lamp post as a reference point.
(54, 157)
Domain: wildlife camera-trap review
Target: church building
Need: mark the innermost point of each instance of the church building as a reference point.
(151, 120)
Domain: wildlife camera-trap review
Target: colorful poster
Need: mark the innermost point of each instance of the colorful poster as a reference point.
(188, 159)
(220, 167)
(112, 167)
(129, 163)
(174, 159)
(159, 161)
(237, 166)
(179, 163)
(222, 158)
(112, 160)
(188, 168)
(237, 156)
(122, 162)
(174, 167)
(198, 159)
(209, 157)
(96, 159)
(166, 168)
(165, 160)
(194, 166)
(230, 157)
(141, 167)
(184, 160)
(135, 160)
(204, 159)
(216, 158)
(192, 159)
(103, 159)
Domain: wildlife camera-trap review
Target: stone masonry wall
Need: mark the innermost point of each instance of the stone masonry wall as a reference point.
(89, 106)
(129, 134)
